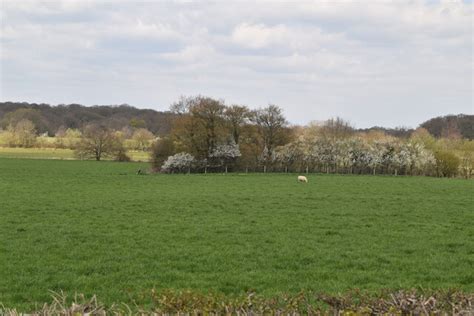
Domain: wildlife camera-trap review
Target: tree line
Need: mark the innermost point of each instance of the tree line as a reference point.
(208, 135)
(203, 134)
(49, 119)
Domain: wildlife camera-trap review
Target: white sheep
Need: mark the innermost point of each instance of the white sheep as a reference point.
(302, 179)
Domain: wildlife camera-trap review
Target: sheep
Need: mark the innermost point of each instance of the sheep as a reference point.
(302, 179)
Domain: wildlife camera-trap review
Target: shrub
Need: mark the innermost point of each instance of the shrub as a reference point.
(121, 155)
(142, 139)
(447, 163)
(181, 162)
(160, 151)
(22, 134)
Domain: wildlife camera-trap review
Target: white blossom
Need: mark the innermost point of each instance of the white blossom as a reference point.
(178, 163)
(226, 151)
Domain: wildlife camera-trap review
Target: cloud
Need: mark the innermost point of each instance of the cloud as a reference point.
(191, 54)
(358, 60)
(258, 35)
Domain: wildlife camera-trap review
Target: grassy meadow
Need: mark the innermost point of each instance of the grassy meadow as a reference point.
(98, 228)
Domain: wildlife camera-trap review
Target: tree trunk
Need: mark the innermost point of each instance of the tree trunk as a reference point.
(264, 169)
(226, 169)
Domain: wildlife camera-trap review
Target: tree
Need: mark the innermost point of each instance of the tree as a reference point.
(199, 126)
(209, 113)
(424, 159)
(375, 156)
(286, 155)
(182, 106)
(328, 154)
(401, 159)
(160, 151)
(271, 127)
(49, 118)
(72, 138)
(451, 130)
(447, 163)
(451, 126)
(98, 142)
(142, 139)
(23, 133)
(68, 138)
(336, 129)
(60, 132)
(237, 117)
(181, 162)
(34, 116)
(249, 148)
(422, 136)
(137, 123)
(467, 158)
(226, 153)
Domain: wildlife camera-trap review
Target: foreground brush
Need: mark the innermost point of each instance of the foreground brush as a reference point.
(411, 302)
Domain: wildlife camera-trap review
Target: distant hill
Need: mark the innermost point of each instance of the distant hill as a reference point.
(49, 118)
(461, 125)
(449, 125)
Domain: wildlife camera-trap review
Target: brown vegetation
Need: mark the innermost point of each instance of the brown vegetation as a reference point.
(412, 302)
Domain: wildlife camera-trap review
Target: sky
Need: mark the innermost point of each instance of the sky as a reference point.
(373, 63)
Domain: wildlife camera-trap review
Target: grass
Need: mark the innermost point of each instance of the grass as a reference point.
(57, 153)
(98, 228)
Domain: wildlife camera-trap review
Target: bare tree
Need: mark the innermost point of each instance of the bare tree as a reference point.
(236, 116)
(209, 112)
(336, 129)
(271, 126)
(98, 142)
(183, 105)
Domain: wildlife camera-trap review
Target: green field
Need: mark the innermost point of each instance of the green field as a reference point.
(98, 228)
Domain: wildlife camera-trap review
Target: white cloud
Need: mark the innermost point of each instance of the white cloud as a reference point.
(42, 7)
(259, 35)
(191, 54)
(359, 60)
